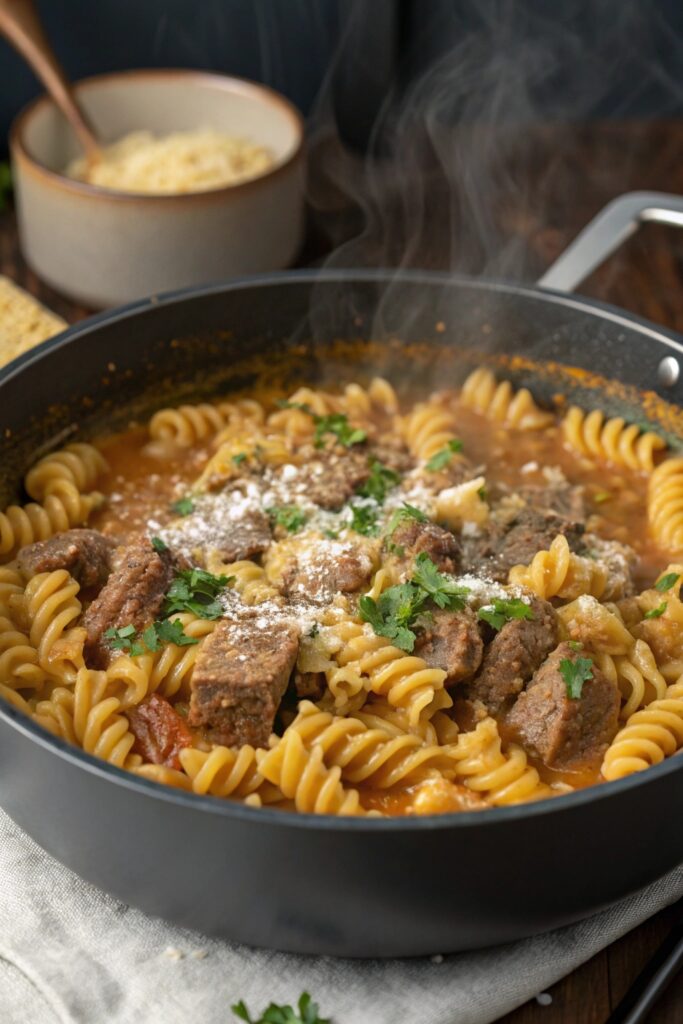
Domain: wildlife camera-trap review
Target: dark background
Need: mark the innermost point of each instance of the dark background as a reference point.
(576, 58)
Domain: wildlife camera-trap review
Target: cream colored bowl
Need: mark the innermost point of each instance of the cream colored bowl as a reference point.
(103, 247)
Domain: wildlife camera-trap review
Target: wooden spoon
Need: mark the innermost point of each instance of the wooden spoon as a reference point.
(21, 25)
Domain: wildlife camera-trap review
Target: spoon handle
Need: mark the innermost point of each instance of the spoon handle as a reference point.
(21, 25)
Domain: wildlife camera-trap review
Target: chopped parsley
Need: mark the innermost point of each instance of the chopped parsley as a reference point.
(124, 639)
(440, 459)
(159, 545)
(442, 589)
(380, 481)
(313, 631)
(667, 582)
(575, 674)
(307, 1012)
(654, 613)
(289, 517)
(183, 507)
(502, 610)
(155, 636)
(400, 515)
(364, 520)
(195, 590)
(336, 425)
(398, 609)
(576, 645)
(331, 534)
(239, 458)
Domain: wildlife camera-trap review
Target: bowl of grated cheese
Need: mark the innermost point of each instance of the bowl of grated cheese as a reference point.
(201, 178)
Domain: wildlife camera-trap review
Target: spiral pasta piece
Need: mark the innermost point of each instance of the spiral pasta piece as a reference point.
(665, 504)
(19, 660)
(11, 589)
(557, 572)
(78, 464)
(222, 771)
(595, 625)
(637, 676)
(52, 608)
(428, 429)
(504, 777)
(501, 403)
(24, 524)
(650, 734)
(187, 424)
(611, 440)
(368, 756)
(249, 579)
(301, 775)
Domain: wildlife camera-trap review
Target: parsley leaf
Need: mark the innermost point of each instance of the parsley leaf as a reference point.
(502, 610)
(364, 520)
(307, 1012)
(406, 511)
(336, 424)
(195, 590)
(440, 459)
(381, 480)
(124, 639)
(239, 458)
(331, 534)
(575, 674)
(159, 545)
(443, 590)
(183, 507)
(313, 631)
(654, 613)
(289, 517)
(163, 631)
(667, 582)
(576, 645)
(394, 612)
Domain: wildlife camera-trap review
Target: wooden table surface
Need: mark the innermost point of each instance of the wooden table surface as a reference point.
(569, 173)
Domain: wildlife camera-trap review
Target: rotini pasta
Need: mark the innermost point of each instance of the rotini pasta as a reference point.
(558, 572)
(503, 777)
(665, 504)
(501, 403)
(611, 440)
(650, 734)
(188, 424)
(301, 775)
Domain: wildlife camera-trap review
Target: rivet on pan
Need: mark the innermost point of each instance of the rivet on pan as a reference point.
(668, 371)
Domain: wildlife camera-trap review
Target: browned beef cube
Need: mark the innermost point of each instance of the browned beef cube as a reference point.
(86, 554)
(515, 541)
(411, 538)
(331, 568)
(565, 732)
(329, 476)
(563, 498)
(160, 732)
(309, 685)
(232, 523)
(393, 454)
(239, 678)
(513, 656)
(133, 595)
(452, 642)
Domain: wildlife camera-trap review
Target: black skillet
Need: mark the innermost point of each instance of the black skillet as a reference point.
(312, 884)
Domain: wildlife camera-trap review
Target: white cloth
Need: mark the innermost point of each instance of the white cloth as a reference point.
(69, 953)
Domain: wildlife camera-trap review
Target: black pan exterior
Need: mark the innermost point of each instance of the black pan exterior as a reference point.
(323, 885)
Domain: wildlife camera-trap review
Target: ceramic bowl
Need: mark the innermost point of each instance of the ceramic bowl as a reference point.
(103, 247)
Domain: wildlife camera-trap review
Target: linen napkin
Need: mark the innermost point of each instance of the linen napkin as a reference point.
(70, 954)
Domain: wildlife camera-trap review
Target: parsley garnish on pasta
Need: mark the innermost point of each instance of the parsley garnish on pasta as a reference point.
(183, 507)
(289, 517)
(400, 515)
(335, 424)
(195, 590)
(379, 483)
(654, 613)
(667, 582)
(441, 459)
(364, 520)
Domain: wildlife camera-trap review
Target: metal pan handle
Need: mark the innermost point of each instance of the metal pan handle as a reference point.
(606, 232)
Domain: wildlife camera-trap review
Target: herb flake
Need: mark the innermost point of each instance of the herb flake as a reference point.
(654, 613)
(379, 483)
(400, 515)
(290, 517)
(183, 506)
(441, 459)
(575, 674)
(667, 582)
(502, 610)
(307, 1012)
(195, 590)
(364, 520)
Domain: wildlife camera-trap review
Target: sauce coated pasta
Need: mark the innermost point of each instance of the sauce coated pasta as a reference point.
(332, 604)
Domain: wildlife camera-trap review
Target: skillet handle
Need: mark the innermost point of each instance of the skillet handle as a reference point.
(606, 232)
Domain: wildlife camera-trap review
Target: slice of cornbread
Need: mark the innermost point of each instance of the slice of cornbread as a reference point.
(24, 322)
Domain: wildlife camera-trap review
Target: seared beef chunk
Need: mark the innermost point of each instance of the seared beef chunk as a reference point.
(392, 454)
(451, 641)
(133, 595)
(562, 497)
(309, 685)
(504, 543)
(86, 554)
(411, 538)
(232, 523)
(329, 476)
(239, 678)
(328, 569)
(513, 656)
(566, 732)
(160, 732)
(619, 561)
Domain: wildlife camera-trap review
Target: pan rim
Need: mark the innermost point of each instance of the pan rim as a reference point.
(493, 816)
